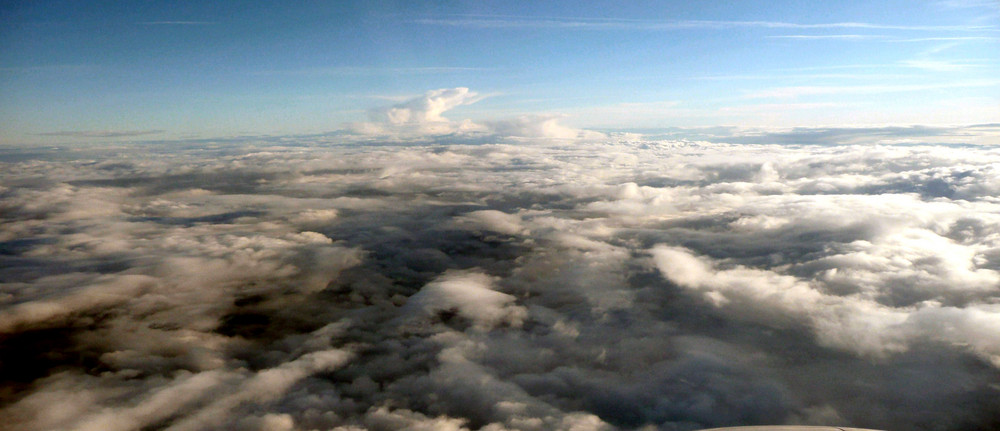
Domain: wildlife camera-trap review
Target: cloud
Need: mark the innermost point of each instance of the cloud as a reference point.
(493, 220)
(885, 38)
(490, 21)
(470, 296)
(479, 280)
(938, 65)
(426, 109)
(798, 91)
(827, 36)
(848, 322)
(422, 117)
(854, 135)
(539, 126)
(949, 39)
(177, 23)
(963, 4)
(324, 71)
(102, 133)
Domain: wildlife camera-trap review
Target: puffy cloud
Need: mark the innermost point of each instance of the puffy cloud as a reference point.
(382, 418)
(262, 387)
(69, 294)
(426, 109)
(470, 281)
(470, 296)
(779, 300)
(494, 221)
(539, 126)
(422, 117)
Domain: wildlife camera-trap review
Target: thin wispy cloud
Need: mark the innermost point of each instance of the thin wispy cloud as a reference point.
(939, 65)
(987, 11)
(834, 67)
(52, 68)
(828, 36)
(777, 107)
(969, 4)
(634, 24)
(177, 23)
(351, 70)
(798, 91)
(884, 38)
(101, 133)
(765, 76)
(875, 67)
(949, 39)
(395, 98)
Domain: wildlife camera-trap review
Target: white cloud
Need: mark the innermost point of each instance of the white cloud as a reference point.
(828, 36)
(402, 419)
(426, 109)
(103, 133)
(569, 23)
(471, 296)
(938, 65)
(539, 126)
(492, 220)
(261, 387)
(857, 322)
(422, 117)
(789, 275)
(798, 91)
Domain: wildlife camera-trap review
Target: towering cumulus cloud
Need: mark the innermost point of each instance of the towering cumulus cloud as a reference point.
(422, 117)
(524, 277)
(426, 109)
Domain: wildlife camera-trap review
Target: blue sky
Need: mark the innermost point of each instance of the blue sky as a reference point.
(84, 71)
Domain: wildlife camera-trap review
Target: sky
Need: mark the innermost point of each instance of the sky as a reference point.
(85, 71)
(492, 216)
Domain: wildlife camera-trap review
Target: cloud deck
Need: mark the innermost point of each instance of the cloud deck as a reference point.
(612, 283)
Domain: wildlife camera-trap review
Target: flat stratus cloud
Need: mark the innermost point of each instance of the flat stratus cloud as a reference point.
(694, 279)
(102, 133)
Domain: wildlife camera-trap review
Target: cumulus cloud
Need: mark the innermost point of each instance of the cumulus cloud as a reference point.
(468, 295)
(766, 297)
(577, 283)
(422, 117)
(539, 126)
(426, 109)
(493, 221)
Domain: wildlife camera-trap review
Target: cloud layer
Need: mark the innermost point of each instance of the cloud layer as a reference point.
(502, 284)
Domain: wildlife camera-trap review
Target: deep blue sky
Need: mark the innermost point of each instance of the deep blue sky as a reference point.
(79, 71)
